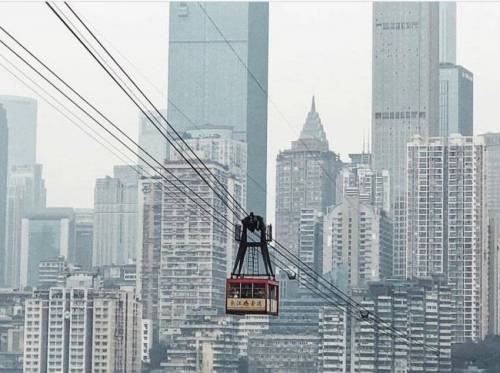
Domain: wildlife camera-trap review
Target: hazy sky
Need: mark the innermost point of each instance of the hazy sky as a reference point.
(320, 48)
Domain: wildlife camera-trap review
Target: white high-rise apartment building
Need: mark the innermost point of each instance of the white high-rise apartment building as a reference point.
(218, 144)
(372, 186)
(357, 237)
(115, 217)
(493, 278)
(492, 169)
(447, 224)
(208, 342)
(311, 239)
(332, 352)
(35, 333)
(195, 247)
(421, 311)
(492, 164)
(405, 95)
(149, 246)
(82, 328)
(211, 143)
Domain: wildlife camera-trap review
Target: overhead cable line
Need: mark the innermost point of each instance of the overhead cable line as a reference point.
(153, 85)
(96, 110)
(265, 92)
(130, 94)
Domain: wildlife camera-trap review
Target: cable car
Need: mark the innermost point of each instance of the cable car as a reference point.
(250, 292)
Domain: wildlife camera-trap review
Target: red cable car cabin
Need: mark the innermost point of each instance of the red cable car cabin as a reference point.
(252, 293)
(256, 296)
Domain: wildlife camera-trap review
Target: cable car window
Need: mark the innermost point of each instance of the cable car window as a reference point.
(259, 291)
(246, 290)
(234, 291)
(272, 292)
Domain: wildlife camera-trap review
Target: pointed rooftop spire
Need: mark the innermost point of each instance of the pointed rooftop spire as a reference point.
(313, 105)
(313, 129)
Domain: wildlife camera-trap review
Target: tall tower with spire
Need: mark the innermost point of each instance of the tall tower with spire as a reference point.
(305, 182)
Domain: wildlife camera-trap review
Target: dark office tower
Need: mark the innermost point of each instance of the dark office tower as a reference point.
(21, 119)
(46, 234)
(405, 95)
(84, 236)
(455, 100)
(4, 143)
(222, 80)
(305, 179)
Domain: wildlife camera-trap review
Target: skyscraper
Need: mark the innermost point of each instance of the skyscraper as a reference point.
(492, 169)
(305, 178)
(21, 120)
(447, 32)
(26, 193)
(84, 237)
(311, 238)
(455, 100)
(447, 224)
(405, 95)
(151, 140)
(493, 278)
(209, 84)
(149, 244)
(45, 234)
(372, 186)
(194, 246)
(358, 237)
(207, 342)
(218, 144)
(115, 217)
(422, 312)
(82, 327)
(4, 144)
(455, 82)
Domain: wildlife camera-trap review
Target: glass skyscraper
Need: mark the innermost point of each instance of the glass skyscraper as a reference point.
(46, 234)
(25, 193)
(405, 95)
(21, 120)
(455, 100)
(4, 143)
(217, 74)
(455, 82)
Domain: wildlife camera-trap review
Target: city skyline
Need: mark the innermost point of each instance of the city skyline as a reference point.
(384, 262)
(65, 189)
